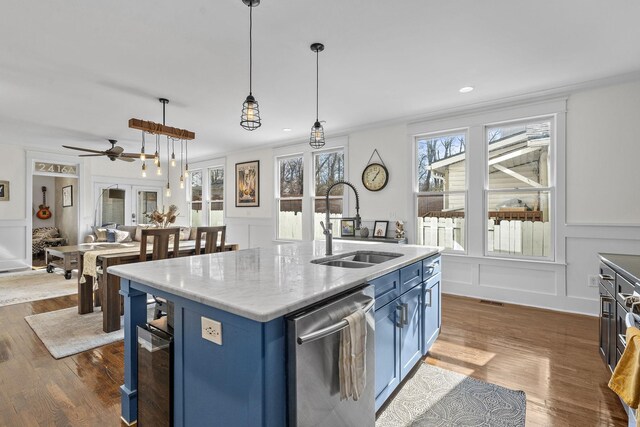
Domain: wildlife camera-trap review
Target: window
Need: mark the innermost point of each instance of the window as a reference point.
(216, 196)
(196, 216)
(289, 193)
(519, 192)
(328, 169)
(442, 190)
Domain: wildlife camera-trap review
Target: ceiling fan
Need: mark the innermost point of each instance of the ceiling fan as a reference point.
(114, 153)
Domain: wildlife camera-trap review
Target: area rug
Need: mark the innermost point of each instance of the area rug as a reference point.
(436, 397)
(65, 332)
(16, 288)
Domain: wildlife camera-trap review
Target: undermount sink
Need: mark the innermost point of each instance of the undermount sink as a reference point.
(359, 259)
(346, 264)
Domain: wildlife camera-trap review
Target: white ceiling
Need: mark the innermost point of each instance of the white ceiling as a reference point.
(74, 71)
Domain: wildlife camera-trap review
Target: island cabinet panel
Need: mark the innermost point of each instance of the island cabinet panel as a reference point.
(233, 383)
(401, 327)
(411, 331)
(387, 352)
(432, 313)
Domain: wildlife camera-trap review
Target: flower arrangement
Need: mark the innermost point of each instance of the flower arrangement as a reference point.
(162, 219)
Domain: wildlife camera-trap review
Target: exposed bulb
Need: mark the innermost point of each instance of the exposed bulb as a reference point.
(173, 160)
(144, 170)
(186, 171)
(143, 156)
(156, 160)
(168, 192)
(181, 182)
(251, 111)
(159, 171)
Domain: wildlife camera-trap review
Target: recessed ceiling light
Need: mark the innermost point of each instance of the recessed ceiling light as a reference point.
(286, 129)
(466, 89)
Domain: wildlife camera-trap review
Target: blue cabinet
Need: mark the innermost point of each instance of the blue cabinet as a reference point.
(410, 332)
(387, 352)
(431, 312)
(407, 321)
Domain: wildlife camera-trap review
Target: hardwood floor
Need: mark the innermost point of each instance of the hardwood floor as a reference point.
(552, 356)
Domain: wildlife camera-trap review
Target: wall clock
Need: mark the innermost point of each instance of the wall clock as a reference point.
(375, 176)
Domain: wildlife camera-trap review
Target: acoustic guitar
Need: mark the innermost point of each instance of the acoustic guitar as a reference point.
(43, 209)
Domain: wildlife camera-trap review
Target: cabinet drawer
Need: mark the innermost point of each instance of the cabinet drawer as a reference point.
(430, 267)
(410, 276)
(607, 277)
(387, 288)
(624, 288)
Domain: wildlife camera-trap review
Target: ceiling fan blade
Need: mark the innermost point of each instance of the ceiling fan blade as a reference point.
(84, 149)
(137, 156)
(91, 155)
(126, 159)
(116, 151)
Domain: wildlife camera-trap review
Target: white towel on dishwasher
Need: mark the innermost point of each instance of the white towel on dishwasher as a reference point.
(353, 356)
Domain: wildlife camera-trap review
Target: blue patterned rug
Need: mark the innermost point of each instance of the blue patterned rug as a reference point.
(435, 397)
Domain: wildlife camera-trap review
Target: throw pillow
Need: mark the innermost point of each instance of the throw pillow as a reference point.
(122, 236)
(111, 236)
(101, 234)
(185, 233)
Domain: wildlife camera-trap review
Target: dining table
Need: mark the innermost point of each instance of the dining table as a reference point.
(108, 294)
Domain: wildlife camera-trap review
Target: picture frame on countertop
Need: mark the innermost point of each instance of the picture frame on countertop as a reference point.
(380, 229)
(4, 191)
(67, 196)
(347, 227)
(248, 184)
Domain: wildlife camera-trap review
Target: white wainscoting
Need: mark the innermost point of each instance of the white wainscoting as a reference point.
(250, 232)
(556, 286)
(13, 245)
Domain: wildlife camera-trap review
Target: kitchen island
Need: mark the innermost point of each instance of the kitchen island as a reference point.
(243, 380)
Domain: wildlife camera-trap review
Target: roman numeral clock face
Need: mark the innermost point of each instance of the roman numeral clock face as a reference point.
(375, 177)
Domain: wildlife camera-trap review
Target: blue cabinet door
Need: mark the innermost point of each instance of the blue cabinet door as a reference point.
(431, 314)
(387, 352)
(411, 330)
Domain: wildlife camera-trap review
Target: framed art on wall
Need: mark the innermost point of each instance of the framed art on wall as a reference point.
(4, 191)
(67, 196)
(248, 184)
(380, 229)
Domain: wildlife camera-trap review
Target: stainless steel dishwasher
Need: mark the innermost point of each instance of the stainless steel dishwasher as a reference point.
(313, 340)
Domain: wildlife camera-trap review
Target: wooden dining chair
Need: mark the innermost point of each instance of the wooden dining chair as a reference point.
(160, 250)
(161, 241)
(210, 239)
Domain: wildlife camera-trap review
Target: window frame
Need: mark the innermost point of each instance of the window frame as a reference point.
(416, 183)
(204, 168)
(278, 197)
(333, 144)
(209, 201)
(551, 188)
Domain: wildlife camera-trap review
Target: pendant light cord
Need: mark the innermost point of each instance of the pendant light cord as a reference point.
(317, 84)
(250, 45)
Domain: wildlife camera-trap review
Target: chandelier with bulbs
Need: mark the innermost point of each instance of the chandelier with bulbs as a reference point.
(173, 135)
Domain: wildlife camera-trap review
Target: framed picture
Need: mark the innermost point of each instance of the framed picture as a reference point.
(248, 184)
(67, 196)
(347, 227)
(380, 229)
(4, 191)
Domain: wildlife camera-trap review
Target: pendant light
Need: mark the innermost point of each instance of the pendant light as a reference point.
(317, 132)
(250, 118)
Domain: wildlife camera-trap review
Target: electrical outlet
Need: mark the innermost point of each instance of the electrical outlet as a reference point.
(593, 281)
(211, 330)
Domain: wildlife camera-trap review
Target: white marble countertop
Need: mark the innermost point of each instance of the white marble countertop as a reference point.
(266, 283)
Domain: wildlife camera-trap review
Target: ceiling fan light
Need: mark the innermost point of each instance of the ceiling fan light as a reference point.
(317, 136)
(250, 119)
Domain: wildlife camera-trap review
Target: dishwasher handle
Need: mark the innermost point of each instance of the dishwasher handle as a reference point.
(321, 333)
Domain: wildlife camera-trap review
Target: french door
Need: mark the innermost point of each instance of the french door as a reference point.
(126, 204)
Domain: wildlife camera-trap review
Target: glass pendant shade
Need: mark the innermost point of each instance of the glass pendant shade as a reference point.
(250, 119)
(317, 136)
